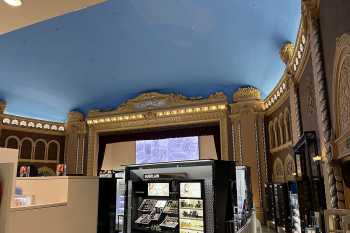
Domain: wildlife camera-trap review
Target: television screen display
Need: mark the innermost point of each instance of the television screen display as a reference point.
(167, 150)
(190, 190)
(158, 189)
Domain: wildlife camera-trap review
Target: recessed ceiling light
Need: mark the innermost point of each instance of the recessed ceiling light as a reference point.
(14, 3)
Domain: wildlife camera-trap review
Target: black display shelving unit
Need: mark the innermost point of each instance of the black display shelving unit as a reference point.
(205, 205)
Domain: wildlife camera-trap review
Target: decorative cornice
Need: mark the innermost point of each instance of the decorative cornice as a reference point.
(294, 68)
(286, 52)
(277, 95)
(11, 121)
(301, 52)
(154, 105)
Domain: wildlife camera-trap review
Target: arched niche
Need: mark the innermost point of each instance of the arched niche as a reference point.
(12, 142)
(282, 128)
(53, 153)
(287, 124)
(26, 148)
(155, 110)
(278, 174)
(271, 135)
(40, 149)
(289, 168)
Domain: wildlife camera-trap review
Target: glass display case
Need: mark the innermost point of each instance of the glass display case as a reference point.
(179, 197)
(281, 207)
(120, 200)
(295, 218)
(270, 205)
(111, 201)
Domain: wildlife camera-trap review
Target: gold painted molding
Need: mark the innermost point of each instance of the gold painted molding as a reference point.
(155, 110)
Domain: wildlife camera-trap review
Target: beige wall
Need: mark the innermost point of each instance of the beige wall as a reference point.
(124, 153)
(8, 165)
(77, 215)
(47, 190)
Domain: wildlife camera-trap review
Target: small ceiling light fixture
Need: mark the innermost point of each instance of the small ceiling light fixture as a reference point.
(317, 158)
(14, 3)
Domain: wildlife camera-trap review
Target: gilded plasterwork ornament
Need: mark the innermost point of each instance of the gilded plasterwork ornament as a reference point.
(286, 52)
(344, 97)
(246, 93)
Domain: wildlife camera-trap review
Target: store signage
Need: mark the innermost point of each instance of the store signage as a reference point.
(151, 176)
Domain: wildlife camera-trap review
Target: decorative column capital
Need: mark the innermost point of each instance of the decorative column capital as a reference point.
(2, 106)
(75, 116)
(247, 99)
(246, 94)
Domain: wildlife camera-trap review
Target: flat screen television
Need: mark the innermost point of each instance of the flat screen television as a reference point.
(190, 190)
(158, 189)
(167, 150)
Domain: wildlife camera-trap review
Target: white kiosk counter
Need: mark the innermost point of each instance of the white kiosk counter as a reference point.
(59, 204)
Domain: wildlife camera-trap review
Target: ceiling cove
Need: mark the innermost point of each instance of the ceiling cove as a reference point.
(103, 55)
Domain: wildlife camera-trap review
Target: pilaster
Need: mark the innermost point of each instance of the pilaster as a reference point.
(247, 119)
(75, 143)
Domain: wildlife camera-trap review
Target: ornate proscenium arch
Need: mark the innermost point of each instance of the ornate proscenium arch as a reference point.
(155, 110)
(341, 97)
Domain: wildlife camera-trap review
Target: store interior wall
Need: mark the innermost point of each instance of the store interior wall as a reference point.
(119, 154)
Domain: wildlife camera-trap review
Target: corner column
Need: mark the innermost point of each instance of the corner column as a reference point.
(2, 110)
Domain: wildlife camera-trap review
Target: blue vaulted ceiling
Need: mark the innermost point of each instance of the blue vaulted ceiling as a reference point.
(103, 55)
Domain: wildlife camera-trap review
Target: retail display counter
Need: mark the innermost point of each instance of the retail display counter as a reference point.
(55, 205)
